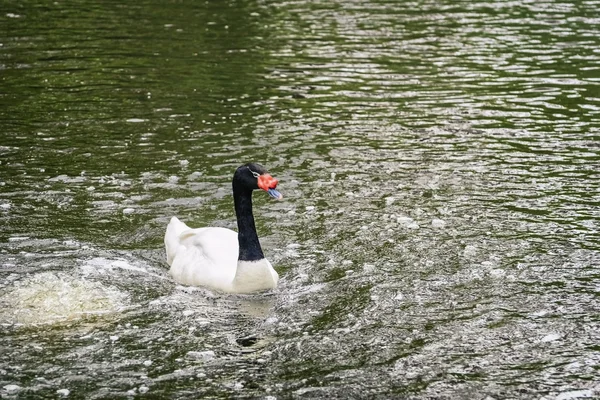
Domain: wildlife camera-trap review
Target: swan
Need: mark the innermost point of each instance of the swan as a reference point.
(219, 258)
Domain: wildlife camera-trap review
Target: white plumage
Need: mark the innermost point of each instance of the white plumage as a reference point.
(208, 257)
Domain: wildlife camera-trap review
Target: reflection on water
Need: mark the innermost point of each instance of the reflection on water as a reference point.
(439, 234)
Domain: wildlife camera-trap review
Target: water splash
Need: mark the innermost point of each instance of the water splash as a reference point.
(50, 297)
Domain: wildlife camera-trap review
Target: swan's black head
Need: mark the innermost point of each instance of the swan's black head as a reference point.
(254, 176)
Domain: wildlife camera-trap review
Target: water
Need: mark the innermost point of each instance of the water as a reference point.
(438, 236)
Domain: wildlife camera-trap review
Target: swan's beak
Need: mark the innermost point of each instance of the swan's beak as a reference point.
(267, 183)
(274, 193)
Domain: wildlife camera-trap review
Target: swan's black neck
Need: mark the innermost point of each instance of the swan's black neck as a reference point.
(250, 249)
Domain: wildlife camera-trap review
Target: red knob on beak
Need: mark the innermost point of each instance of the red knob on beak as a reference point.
(266, 182)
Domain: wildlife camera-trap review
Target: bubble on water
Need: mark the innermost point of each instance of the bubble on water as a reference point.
(407, 222)
(438, 223)
(497, 273)
(101, 266)
(470, 251)
(201, 355)
(12, 389)
(104, 205)
(49, 297)
(67, 179)
(194, 175)
(17, 238)
(576, 394)
(550, 338)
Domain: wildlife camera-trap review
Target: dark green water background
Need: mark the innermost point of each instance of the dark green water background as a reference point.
(440, 164)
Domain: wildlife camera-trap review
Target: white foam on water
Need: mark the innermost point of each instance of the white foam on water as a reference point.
(438, 223)
(50, 297)
(576, 394)
(99, 266)
(17, 238)
(12, 389)
(206, 355)
(550, 338)
(407, 222)
(68, 179)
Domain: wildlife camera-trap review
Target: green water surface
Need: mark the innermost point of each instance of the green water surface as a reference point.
(439, 233)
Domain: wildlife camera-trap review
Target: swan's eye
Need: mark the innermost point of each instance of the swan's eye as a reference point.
(254, 174)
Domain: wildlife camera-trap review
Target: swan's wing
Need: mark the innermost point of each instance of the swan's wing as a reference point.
(204, 257)
(218, 245)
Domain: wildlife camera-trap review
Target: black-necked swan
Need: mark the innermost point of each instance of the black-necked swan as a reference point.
(219, 258)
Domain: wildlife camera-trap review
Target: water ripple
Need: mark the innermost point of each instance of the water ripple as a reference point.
(438, 159)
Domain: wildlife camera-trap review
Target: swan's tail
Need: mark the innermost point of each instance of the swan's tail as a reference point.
(174, 230)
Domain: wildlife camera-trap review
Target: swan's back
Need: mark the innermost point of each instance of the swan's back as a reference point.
(202, 256)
